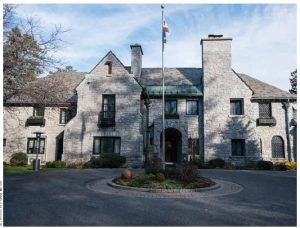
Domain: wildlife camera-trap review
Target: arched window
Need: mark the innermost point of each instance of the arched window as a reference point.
(277, 147)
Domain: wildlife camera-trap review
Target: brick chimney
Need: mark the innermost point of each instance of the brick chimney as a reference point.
(216, 52)
(136, 60)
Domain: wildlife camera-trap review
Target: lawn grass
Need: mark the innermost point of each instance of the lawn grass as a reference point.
(8, 170)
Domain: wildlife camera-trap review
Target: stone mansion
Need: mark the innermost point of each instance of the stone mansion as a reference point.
(210, 112)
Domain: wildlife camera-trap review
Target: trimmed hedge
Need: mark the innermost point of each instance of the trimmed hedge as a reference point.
(19, 159)
(55, 164)
(217, 163)
(264, 165)
(106, 160)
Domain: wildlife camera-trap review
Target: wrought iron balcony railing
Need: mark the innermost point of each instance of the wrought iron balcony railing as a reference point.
(106, 119)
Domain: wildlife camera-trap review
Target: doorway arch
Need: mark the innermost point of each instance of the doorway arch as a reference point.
(173, 145)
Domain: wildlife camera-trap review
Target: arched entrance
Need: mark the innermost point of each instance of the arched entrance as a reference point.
(173, 145)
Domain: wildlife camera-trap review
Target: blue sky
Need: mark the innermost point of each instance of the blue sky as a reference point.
(263, 46)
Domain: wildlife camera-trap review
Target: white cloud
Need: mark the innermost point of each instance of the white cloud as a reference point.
(264, 38)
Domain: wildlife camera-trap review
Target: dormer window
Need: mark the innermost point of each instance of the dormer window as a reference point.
(109, 67)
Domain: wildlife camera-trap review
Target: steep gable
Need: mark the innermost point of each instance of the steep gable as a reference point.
(102, 66)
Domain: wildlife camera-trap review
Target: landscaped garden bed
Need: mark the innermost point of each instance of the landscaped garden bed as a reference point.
(154, 182)
(185, 176)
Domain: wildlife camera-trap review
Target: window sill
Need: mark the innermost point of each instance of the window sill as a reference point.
(236, 116)
(191, 115)
(61, 124)
(108, 75)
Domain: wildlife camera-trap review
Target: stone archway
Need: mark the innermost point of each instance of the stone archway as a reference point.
(173, 145)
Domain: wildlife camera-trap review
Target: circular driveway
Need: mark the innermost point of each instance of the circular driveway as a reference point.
(61, 198)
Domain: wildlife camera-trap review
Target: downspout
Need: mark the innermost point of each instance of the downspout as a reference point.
(286, 106)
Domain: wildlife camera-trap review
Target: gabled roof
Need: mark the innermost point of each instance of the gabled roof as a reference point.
(262, 90)
(108, 54)
(53, 89)
(173, 76)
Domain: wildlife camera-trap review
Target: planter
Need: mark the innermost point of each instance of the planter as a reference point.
(35, 122)
(266, 121)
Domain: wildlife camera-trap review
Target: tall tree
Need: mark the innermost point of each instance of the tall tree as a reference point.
(293, 81)
(27, 53)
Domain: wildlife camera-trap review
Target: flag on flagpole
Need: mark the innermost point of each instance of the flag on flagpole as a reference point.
(165, 31)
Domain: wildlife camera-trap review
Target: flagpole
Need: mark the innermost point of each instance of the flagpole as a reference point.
(163, 89)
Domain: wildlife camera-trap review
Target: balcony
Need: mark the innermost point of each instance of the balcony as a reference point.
(266, 121)
(35, 121)
(106, 119)
(172, 115)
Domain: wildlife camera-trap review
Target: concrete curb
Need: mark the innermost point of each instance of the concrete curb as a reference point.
(213, 187)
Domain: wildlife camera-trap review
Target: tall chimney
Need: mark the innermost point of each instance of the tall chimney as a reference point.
(216, 53)
(136, 60)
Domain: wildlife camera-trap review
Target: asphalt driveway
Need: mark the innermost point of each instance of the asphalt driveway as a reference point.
(60, 198)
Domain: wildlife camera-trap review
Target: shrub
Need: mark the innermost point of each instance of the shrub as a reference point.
(169, 173)
(76, 165)
(87, 165)
(198, 162)
(186, 172)
(264, 165)
(55, 164)
(19, 159)
(48, 165)
(160, 177)
(217, 163)
(140, 180)
(291, 165)
(153, 165)
(280, 166)
(106, 160)
(250, 165)
(229, 165)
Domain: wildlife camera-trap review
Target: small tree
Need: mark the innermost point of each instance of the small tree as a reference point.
(293, 80)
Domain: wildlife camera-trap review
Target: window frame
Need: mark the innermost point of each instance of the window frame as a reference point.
(35, 139)
(109, 67)
(191, 141)
(60, 116)
(243, 147)
(170, 100)
(232, 100)
(186, 108)
(283, 147)
(106, 137)
(36, 111)
(270, 109)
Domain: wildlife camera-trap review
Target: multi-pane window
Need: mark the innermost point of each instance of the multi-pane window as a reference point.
(171, 106)
(264, 110)
(38, 111)
(63, 116)
(32, 146)
(238, 147)
(277, 147)
(193, 146)
(107, 145)
(108, 106)
(236, 107)
(191, 107)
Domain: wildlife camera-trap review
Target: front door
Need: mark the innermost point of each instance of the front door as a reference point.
(172, 145)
